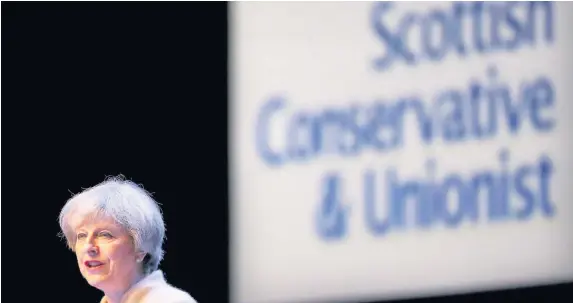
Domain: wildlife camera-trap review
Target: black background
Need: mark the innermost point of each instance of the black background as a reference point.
(91, 90)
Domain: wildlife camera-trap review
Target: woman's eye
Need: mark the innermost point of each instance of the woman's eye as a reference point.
(106, 235)
(81, 236)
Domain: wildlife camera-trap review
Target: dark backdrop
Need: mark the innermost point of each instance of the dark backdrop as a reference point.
(97, 89)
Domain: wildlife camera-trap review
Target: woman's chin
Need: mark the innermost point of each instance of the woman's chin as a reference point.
(96, 281)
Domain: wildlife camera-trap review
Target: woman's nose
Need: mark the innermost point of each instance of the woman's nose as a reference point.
(92, 251)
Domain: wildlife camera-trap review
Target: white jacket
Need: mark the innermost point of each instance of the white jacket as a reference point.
(154, 289)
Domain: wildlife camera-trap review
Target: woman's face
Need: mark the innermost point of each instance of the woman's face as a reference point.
(106, 255)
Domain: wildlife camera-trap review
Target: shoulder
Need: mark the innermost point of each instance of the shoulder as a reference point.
(167, 293)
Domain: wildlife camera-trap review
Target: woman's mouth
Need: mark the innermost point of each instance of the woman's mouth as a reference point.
(93, 264)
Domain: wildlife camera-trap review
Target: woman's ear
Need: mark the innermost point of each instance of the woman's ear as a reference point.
(140, 256)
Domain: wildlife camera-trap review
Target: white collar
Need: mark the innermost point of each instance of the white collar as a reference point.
(152, 278)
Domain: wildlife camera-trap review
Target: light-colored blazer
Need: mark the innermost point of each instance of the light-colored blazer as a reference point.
(154, 289)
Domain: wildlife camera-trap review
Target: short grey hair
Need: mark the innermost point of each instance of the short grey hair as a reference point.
(129, 205)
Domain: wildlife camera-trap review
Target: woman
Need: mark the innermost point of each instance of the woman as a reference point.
(116, 231)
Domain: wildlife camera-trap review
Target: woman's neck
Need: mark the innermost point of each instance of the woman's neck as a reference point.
(117, 295)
